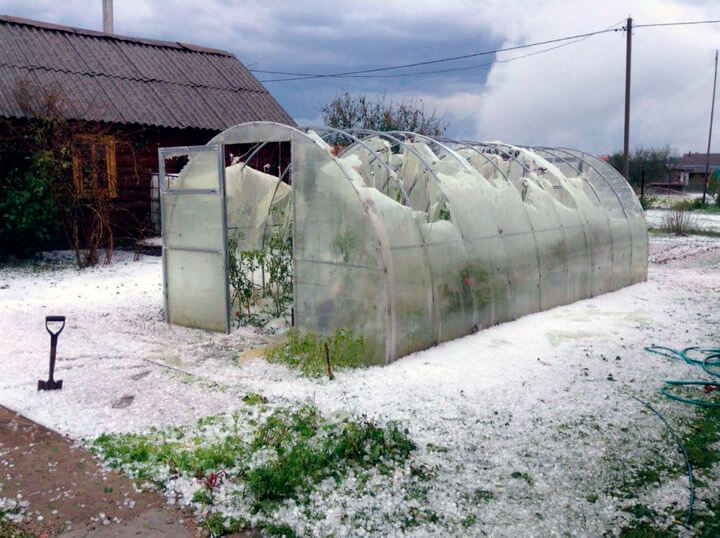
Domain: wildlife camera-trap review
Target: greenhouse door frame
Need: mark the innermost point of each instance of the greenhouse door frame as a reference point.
(219, 190)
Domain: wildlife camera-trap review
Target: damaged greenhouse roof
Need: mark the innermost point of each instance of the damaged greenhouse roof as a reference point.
(119, 79)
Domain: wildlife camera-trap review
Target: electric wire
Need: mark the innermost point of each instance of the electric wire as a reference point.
(305, 76)
(366, 73)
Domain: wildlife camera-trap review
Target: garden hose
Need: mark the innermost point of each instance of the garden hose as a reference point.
(681, 446)
(708, 360)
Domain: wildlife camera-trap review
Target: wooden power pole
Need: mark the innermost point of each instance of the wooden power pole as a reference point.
(626, 144)
(712, 113)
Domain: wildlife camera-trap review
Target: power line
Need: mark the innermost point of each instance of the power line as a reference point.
(654, 25)
(365, 73)
(467, 67)
(304, 76)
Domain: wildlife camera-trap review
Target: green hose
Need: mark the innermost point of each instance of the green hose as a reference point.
(707, 358)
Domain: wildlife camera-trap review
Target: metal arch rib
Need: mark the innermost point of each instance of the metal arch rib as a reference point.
(473, 148)
(511, 156)
(591, 165)
(375, 154)
(605, 179)
(449, 150)
(550, 151)
(435, 305)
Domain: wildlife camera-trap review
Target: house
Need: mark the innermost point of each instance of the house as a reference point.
(141, 92)
(688, 172)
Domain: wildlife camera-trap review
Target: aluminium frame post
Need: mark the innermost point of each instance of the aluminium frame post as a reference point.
(626, 138)
(220, 149)
(162, 190)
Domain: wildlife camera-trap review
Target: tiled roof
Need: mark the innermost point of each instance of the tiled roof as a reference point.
(695, 161)
(111, 78)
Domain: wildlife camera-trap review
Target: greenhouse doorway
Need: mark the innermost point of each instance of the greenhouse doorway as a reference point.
(227, 235)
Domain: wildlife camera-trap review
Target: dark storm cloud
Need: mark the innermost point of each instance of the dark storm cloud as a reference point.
(569, 96)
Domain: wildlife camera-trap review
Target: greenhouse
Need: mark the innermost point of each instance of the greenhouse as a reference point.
(400, 238)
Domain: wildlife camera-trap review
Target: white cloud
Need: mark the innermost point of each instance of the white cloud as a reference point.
(570, 96)
(574, 96)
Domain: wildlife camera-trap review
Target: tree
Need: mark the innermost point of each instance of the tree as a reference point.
(653, 160)
(347, 111)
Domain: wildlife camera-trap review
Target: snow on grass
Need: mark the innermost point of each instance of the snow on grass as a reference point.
(707, 222)
(524, 428)
(261, 465)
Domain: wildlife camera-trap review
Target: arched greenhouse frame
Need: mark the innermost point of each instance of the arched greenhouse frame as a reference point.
(404, 239)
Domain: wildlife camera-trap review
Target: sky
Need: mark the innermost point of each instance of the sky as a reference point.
(570, 96)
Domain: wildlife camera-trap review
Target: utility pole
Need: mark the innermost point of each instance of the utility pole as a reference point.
(628, 57)
(712, 113)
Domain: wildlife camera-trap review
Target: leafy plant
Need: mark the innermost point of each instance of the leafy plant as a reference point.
(274, 259)
(278, 265)
(306, 351)
(688, 205)
(647, 202)
(28, 213)
(258, 458)
(241, 270)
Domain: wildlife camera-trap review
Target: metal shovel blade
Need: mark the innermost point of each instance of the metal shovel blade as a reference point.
(49, 385)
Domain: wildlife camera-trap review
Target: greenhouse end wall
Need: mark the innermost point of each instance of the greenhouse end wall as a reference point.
(409, 241)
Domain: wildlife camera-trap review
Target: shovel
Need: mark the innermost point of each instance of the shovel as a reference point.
(51, 384)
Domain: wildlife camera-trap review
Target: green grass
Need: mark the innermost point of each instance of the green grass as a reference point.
(482, 495)
(252, 398)
(702, 233)
(701, 436)
(303, 461)
(696, 205)
(704, 433)
(306, 352)
(261, 457)
(523, 476)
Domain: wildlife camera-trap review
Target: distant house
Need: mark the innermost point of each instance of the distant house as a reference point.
(154, 93)
(688, 172)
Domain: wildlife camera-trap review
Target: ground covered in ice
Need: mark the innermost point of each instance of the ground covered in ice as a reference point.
(526, 428)
(709, 222)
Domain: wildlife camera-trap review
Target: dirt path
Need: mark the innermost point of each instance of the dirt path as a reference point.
(67, 494)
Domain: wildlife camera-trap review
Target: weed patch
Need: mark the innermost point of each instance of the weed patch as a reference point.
(243, 469)
(523, 476)
(306, 351)
(701, 436)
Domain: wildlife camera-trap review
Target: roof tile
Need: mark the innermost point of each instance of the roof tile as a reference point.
(128, 80)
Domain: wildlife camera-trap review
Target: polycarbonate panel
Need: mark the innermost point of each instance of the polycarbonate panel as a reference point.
(194, 240)
(192, 221)
(409, 287)
(340, 271)
(196, 295)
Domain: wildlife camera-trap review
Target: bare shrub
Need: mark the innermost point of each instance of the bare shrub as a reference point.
(679, 222)
(49, 137)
